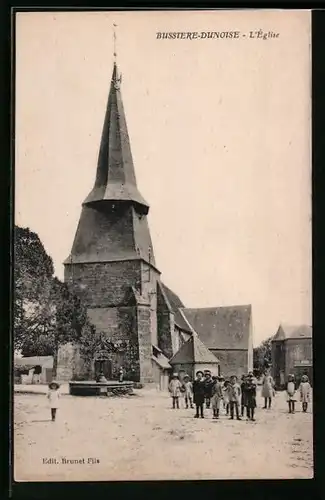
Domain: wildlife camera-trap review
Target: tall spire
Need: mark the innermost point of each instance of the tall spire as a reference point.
(115, 178)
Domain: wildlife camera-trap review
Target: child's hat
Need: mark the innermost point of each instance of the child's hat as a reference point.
(186, 376)
(200, 371)
(54, 385)
(175, 374)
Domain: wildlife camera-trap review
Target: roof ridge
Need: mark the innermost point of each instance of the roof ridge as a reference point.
(211, 308)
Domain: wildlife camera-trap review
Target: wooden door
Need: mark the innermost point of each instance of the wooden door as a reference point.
(106, 367)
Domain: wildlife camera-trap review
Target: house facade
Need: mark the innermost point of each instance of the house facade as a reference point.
(292, 352)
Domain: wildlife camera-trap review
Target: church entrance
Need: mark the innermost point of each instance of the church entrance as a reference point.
(103, 367)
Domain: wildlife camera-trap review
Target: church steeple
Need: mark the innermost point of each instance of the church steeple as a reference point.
(113, 225)
(115, 178)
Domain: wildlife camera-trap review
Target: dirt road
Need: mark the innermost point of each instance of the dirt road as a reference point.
(141, 437)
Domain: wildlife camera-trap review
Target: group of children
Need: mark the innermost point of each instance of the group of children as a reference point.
(212, 391)
(235, 398)
(215, 391)
(304, 391)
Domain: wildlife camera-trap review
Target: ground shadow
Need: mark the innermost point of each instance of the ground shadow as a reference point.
(44, 420)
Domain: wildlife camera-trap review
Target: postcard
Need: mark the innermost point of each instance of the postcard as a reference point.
(162, 232)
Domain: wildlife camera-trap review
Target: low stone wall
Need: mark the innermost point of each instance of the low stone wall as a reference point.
(92, 388)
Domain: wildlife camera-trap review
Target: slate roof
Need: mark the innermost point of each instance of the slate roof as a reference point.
(115, 179)
(161, 361)
(193, 351)
(32, 361)
(293, 332)
(114, 207)
(176, 304)
(221, 327)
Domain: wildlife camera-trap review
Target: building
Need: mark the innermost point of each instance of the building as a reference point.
(192, 356)
(112, 268)
(227, 333)
(38, 369)
(292, 352)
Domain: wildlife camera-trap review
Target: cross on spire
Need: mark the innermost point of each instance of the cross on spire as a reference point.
(114, 39)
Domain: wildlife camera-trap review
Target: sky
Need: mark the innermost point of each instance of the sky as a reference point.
(220, 137)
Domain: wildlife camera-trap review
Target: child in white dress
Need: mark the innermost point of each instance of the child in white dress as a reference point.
(53, 396)
(304, 390)
(175, 390)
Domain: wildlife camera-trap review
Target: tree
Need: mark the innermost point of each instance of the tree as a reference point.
(47, 314)
(262, 355)
(33, 271)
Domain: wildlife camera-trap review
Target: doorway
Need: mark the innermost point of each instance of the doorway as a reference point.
(106, 367)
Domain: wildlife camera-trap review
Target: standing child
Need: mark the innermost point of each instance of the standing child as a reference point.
(217, 396)
(234, 392)
(53, 396)
(267, 389)
(250, 389)
(291, 393)
(226, 396)
(121, 374)
(188, 391)
(175, 390)
(304, 390)
(199, 394)
(208, 384)
(243, 394)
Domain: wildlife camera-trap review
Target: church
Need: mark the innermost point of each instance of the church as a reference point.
(113, 270)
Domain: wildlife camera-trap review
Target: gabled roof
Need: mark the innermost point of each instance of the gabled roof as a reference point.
(193, 351)
(161, 361)
(32, 361)
(175, 305)
(293, 332)
(221, 327)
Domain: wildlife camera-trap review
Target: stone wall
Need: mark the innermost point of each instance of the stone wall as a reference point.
(232, 362)
(149, 277)
(104, 284)
(145, 346)
(187, 368)
(207, 366)
(120, 324)
(105, 287)
(69, 362)
(297, 351)
(165, 325)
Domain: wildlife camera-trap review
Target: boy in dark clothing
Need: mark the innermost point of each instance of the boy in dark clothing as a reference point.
(198, 394)
(250, 389)
(243, 394)
(208, 384)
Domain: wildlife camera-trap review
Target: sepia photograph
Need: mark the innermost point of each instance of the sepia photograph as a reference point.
(162, 246)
